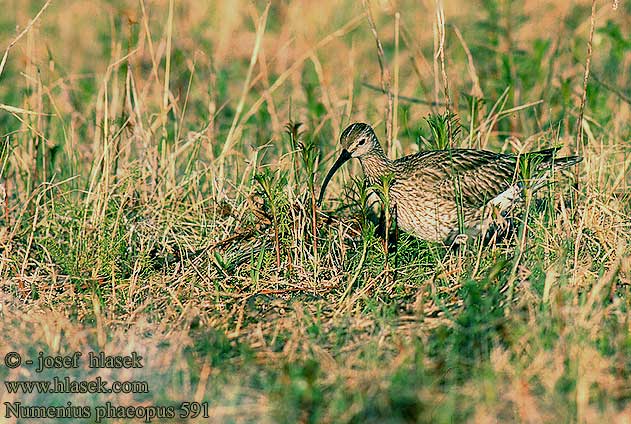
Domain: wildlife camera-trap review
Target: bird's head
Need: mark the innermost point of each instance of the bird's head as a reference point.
(357, 140)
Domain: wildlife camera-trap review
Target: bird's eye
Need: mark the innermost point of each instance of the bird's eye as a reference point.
(361, 142)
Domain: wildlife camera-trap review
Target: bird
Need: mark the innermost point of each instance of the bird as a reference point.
(441, 195)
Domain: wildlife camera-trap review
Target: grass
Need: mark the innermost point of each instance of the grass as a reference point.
(158, 196)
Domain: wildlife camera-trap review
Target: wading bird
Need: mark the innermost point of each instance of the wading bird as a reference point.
(439, 194)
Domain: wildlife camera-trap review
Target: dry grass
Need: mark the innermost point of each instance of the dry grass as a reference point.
(152, 201)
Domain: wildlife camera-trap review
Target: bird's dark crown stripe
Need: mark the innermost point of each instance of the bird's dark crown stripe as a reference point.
(357, 130)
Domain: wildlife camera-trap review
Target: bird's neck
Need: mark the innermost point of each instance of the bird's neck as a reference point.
(376, 165)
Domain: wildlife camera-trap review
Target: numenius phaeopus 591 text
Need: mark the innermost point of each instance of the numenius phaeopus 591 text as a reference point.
(431, 190)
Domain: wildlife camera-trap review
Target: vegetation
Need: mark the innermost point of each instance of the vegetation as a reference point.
(158, 195)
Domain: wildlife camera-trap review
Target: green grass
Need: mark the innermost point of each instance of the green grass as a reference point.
(178, 219)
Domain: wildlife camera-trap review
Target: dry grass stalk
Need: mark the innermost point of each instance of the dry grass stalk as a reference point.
(230, 138)
(395, 107)
(26, 29)
(476, 90)
(440, 52)
(588, 61)
(384, 77)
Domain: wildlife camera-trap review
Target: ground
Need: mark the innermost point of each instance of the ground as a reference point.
(157, 196)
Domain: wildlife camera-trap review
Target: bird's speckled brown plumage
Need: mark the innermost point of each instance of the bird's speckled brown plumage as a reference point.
(431, 188)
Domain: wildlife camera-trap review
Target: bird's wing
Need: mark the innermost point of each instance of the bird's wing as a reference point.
(472, 177)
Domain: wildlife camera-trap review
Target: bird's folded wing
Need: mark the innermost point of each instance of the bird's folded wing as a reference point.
(471, 177)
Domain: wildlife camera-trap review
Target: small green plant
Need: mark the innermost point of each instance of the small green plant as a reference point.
(474, 106)
(308, 158)
(272, 184)
(529, 173)
(256, 264)
(529, 163)
(445, 130)
(383, 191)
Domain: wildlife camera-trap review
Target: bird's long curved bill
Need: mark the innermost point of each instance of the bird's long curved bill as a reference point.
(344, 156)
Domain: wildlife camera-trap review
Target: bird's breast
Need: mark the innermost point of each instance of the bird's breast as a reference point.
(421, 212)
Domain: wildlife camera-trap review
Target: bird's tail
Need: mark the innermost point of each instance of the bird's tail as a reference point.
(566, 161)
(536, 167)
(548, 157)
